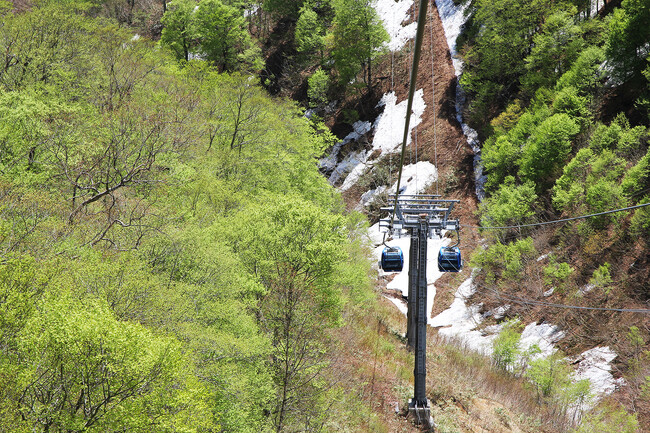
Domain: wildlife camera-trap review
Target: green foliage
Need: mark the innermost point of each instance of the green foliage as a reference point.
(493, 60)
(553, 380)
(555, 47)
(602, 277)
(508, 118)
(215, 31)
(585, 73)
(557, 273)
(505, 348)
(318, 84)
(502, 152)
(358, 38)
(223, 37)
(592, 182)
(178, 28)
(629, 32)
(124, 305)
(570, 102)
(310, 33)
(619, 136)
(637, 179)
(505, 261)
(293, 250)
(510, 205)
(609, 417)
(548, 148)
(80, 364)
(640, 223)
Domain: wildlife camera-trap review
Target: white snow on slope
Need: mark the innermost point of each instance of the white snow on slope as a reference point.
(358, 130)
(543, 335)
(415, 180)
(459, 321)
(453, 17)
(595, 365)
(393, 13)
(389, 132)
(389, 126)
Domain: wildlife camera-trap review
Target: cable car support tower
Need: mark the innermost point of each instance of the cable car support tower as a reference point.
(422, 217)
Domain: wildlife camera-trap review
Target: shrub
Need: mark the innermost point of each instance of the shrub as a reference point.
(602, 277)
(637, 179)
(510, 205)
(504, 260)
(640, 223)
(608, 417)
(318, 84)
(505, 348)
(557, 273)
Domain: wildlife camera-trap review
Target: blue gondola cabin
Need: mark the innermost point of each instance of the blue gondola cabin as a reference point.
(392, 259)
(449, 259)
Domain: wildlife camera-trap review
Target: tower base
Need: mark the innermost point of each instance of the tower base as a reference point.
(420, 415)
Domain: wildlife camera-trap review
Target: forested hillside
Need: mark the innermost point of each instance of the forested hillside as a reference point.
(559, 92)
(170, 257)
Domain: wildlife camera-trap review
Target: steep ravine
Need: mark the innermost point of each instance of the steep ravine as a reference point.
(440, 137)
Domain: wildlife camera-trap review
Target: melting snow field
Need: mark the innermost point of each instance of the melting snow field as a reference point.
(453, 18)
(393, 13)
(460, 322)
(387, 137)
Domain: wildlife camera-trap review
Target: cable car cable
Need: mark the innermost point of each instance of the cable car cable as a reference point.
(520, 300)
(561, 220)
(409, 105)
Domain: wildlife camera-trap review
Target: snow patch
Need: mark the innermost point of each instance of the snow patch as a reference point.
(399, 303)
(387, 137)
(595, 366)
(459, 321)
(453, 17)
(329, 163)
(543, 335)
(393, 14)
(416, 178)
(497, 313)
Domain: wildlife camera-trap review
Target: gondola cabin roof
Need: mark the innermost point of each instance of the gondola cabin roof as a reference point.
(450, 259)
(392, 259)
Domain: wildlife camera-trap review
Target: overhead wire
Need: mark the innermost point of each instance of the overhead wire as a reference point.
(433, 104)
(520, 300)
(409, 105)
(560, 220)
